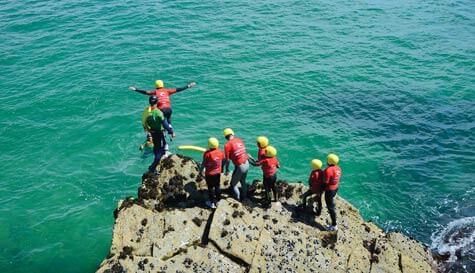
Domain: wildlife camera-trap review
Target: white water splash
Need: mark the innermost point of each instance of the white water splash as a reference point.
(456, 240)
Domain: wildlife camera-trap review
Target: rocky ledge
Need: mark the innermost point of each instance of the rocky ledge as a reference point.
(168, 229)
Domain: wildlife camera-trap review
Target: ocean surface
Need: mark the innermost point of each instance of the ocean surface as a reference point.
(387, 85)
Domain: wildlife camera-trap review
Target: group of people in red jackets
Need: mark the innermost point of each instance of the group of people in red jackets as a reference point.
(321, 181)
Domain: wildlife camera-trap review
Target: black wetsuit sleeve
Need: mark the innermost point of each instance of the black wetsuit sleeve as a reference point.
(178, 89)
(202, 165)
(167, 126)
(226, 165)
(141, 91)
(252, 161)
(223, 163)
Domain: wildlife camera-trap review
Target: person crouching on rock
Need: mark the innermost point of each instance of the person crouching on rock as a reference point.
(212, 163)
(269, 164)
(316, 186)
(155, 123)
(331, 181)
(235, 150)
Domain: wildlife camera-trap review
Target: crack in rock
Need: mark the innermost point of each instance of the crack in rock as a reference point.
(233, 258)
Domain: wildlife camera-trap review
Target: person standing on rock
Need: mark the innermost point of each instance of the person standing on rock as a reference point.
(331, 181)
(269, 164)
(212, 163)
(156, 123)
(235, 150)
(315, 181)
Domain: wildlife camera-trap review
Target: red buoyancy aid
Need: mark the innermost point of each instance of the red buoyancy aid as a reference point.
(269, 166)
(212, 161)
(163, 95)
(235, 150)
(316, 181)
(332, 177)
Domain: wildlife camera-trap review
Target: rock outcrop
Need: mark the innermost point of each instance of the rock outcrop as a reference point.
(167, 229)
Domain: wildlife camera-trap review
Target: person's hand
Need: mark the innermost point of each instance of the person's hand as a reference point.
(173, 135)
(133, 88)
(191, 84)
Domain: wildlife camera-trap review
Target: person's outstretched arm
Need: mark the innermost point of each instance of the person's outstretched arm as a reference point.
(145, 92)
(251, 160)
(190, 85)
(257, 163)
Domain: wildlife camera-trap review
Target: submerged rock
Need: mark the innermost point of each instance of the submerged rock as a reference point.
(168, 229)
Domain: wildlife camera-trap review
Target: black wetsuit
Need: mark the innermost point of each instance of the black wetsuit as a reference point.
(330, 200)
(214, 190)
(269, 185)
(318, 198)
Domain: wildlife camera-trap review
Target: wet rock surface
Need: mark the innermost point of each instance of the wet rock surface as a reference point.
(168, 229)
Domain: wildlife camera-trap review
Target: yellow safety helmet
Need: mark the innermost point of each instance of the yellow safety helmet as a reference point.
(262, 141)
(316, 164)
(159, 84)
(271, 151)
(228, 131)
(213, 143)
(332, 159)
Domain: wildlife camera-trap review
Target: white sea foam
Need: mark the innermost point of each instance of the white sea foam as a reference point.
(457, 239)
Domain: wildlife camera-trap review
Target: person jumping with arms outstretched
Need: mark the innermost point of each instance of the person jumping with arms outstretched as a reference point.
(163, 94)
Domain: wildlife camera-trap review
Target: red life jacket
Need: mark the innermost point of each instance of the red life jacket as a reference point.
(212, 161)
(316, 181)
(332, 177)
(163, 95)
(235, 150)
(269, 166)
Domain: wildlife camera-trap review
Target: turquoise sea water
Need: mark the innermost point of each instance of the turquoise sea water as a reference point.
(388, 85)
